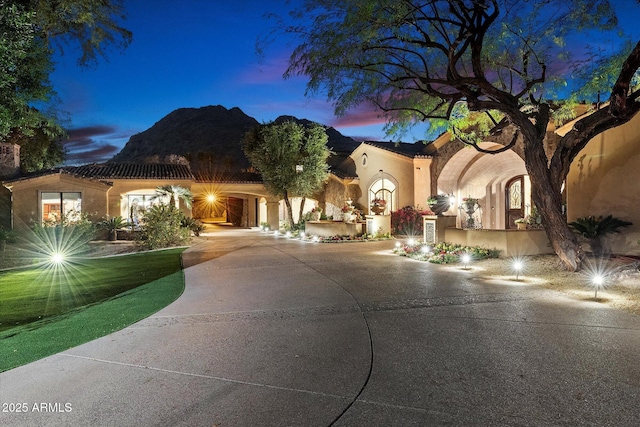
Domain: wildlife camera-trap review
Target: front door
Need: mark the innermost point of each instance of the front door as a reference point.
(514, 201)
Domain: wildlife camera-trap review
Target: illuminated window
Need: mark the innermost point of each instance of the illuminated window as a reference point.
(136, 204)
(515, 195)
(384, 189)
(59, 206)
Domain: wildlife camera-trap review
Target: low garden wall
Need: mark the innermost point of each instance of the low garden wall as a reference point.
(333, 228)
(509, 242)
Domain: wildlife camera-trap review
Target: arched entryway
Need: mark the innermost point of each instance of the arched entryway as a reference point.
(472, 174)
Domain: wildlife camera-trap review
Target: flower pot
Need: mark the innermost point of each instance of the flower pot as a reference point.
(377, 209)
(521, 225)
(441, 205)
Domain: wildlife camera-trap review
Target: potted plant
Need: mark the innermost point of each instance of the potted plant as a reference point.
(378, 205)
(521, 223)
(439, 204)
(112, 225)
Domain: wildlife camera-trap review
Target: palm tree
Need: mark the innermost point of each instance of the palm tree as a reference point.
(175, 192)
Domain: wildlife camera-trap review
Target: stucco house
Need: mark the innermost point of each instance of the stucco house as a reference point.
(602, 180)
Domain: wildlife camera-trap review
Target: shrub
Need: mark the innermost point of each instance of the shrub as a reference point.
(445, 253)
(193, 225)
(64, 236)
(408, 221)
(594, 229)
(162, 228)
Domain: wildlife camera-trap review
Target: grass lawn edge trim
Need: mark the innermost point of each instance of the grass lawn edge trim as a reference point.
(28, 343)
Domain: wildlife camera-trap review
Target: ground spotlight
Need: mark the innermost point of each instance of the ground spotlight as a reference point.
(597, 280)
(411, 242)
(288, 234)
(426, 249)
(517, 266)
(57, 258)
(315, 239)
(466, 259)
(302, 235)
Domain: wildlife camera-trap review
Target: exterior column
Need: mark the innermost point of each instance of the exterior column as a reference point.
(273, 214)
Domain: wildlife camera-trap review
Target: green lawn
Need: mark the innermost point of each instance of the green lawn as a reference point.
(45, 311)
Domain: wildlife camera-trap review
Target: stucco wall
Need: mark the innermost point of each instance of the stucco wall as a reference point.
(603, 180)
(26, 206)
(413, 185)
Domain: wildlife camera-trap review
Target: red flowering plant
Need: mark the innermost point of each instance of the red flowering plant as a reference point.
(408, 221)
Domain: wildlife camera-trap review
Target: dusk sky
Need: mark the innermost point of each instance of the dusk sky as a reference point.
(194, 53)
(190, 53)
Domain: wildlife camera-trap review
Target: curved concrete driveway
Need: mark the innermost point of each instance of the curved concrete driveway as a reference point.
(274, 332)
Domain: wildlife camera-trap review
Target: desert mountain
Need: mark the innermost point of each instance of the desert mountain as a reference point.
(210, 138)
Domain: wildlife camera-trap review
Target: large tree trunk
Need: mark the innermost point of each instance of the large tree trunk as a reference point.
(287, 203)
(304, 199)
(547, 196)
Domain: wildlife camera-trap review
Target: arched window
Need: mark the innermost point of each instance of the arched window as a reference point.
(384, 187)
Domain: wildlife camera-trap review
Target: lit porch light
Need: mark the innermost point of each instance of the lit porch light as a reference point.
(211, 198)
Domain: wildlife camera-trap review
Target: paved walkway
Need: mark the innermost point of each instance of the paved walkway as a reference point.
(274, 332)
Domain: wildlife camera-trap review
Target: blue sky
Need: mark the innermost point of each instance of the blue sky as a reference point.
(190, 53)
(194, 53)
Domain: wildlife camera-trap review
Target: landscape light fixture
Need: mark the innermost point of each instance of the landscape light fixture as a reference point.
(426, 249)
(57, 258)
(466, 259)
(411, 242)
(288, 234)
(398, 244)
(598, 281)
(518, 265)
(302, 235)
(315, 239)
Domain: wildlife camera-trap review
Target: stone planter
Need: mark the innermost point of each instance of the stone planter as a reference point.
(441, 205)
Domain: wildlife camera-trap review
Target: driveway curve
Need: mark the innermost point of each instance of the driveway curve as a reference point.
(277, 332)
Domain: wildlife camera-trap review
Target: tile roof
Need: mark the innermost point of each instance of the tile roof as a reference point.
(110, 171)
(130, 171)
